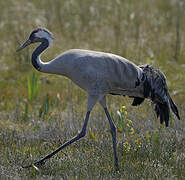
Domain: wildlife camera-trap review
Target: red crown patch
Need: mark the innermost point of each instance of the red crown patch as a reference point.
(37, 29)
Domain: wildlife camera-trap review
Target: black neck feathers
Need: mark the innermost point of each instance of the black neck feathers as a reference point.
(37, 52)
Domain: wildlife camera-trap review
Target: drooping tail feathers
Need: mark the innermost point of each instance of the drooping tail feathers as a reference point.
(174, 107)
(156, 89)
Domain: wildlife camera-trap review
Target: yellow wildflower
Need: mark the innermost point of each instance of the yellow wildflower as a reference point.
(126, 146)
(132, 131)
(138, 142)
(47, 116)
(129, 121)
(128, 125)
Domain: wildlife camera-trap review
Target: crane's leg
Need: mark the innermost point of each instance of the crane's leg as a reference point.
(113, 131)
(90, 104)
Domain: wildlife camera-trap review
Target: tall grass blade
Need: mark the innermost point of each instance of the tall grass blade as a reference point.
(33, 87)
(44, 110)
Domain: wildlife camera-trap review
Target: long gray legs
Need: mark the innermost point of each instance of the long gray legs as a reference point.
(91, 102)
(113, 132)
(75, 138)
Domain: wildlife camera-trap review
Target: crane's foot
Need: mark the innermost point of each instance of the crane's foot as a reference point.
(38, 163)
(117, 167)
(28, 166)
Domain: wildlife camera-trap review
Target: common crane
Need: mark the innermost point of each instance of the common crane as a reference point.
(100, 74)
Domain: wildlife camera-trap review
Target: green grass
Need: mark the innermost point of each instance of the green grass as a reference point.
(38, 112)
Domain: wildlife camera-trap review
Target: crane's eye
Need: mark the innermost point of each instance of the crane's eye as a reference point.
(33, 36)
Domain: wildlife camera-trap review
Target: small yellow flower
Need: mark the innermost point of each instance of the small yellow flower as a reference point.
(129, 121)
(92, 135)
(127, 146)
(47, 116)
(132, 131)
(128, 125)
(138, 143)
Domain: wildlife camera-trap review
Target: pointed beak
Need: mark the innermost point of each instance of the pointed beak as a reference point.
(27, 43)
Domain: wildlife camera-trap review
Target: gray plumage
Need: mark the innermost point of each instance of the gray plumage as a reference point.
(96, 72)
(100, 74)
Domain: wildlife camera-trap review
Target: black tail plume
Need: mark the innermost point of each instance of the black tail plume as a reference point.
(174, 107)
(163, 111)
(156, 89)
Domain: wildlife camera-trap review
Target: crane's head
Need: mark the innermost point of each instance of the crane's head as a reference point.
(38, 35)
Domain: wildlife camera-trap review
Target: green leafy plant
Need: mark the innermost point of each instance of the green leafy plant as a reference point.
(33, 86)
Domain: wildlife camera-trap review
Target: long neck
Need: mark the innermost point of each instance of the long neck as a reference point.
(36, 62)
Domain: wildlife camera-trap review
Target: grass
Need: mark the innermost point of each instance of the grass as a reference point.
(38, 112)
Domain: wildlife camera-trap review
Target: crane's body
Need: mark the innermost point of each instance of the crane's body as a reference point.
(100, 74)
(96, 72)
